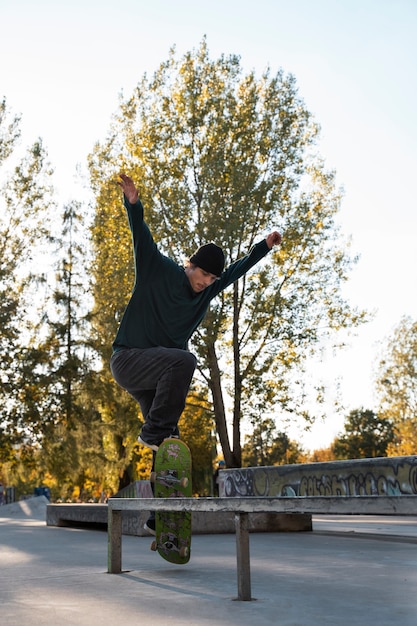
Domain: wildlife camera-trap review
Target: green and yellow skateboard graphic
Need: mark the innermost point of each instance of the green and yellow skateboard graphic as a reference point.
(172, 479)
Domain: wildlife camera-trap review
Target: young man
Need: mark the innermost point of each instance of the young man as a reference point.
(151, 359)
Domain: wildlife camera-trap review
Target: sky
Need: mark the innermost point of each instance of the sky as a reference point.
(64, 64)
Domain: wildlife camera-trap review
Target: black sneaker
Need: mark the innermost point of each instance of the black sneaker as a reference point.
(149, 525)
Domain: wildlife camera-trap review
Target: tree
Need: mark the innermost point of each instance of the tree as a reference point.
(26, 209)
(266, 446)
(397, 386)
(63, 361)
(223, 156)
(367, 435)
(319, 456)
(196, 427)
(52, 366)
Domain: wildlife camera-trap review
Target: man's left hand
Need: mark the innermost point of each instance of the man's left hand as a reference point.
(273, 239)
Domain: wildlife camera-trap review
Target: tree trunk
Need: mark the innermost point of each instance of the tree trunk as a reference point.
(218, 405)
(237, 404)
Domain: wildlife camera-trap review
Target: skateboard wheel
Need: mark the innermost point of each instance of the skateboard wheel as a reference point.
(184, 552)
(184, 482)
(154, 546)
(152, 477)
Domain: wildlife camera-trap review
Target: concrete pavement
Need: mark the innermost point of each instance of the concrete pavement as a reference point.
(346, 572)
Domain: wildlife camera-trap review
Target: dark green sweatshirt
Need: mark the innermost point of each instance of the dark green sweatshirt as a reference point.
(163, 309)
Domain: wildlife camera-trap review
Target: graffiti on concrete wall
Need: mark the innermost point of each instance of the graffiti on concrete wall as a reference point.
(363, 477)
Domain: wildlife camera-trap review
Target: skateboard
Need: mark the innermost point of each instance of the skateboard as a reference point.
(172, 479)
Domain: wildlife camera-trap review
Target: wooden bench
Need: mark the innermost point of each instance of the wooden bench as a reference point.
(242, 508)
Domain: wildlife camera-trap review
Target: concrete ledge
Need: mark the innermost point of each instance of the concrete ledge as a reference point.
(382, 476)
(64, 514)
(133, 521)
(94, 515)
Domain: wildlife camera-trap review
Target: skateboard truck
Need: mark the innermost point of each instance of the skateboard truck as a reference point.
(168, 478)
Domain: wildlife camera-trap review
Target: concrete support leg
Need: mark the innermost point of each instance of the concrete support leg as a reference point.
(243, 558)
(114, 539)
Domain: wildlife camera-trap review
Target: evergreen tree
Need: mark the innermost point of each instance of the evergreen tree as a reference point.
(26, 211)
(70, 423)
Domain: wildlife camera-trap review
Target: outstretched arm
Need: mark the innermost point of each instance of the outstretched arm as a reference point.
(128, 188)
(273, 239)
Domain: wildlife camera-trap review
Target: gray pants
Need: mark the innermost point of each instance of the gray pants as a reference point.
(159, 379)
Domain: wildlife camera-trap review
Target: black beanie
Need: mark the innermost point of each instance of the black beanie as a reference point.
(210, 258)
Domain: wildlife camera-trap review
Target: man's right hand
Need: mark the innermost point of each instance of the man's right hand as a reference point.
(129, 189)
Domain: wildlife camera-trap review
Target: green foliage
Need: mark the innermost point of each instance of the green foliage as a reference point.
(366, 435)
(397, 386)
(51, 370)
(26, 210)
(9, 132)
(196, 428)
(266, 446)
(219, 155)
